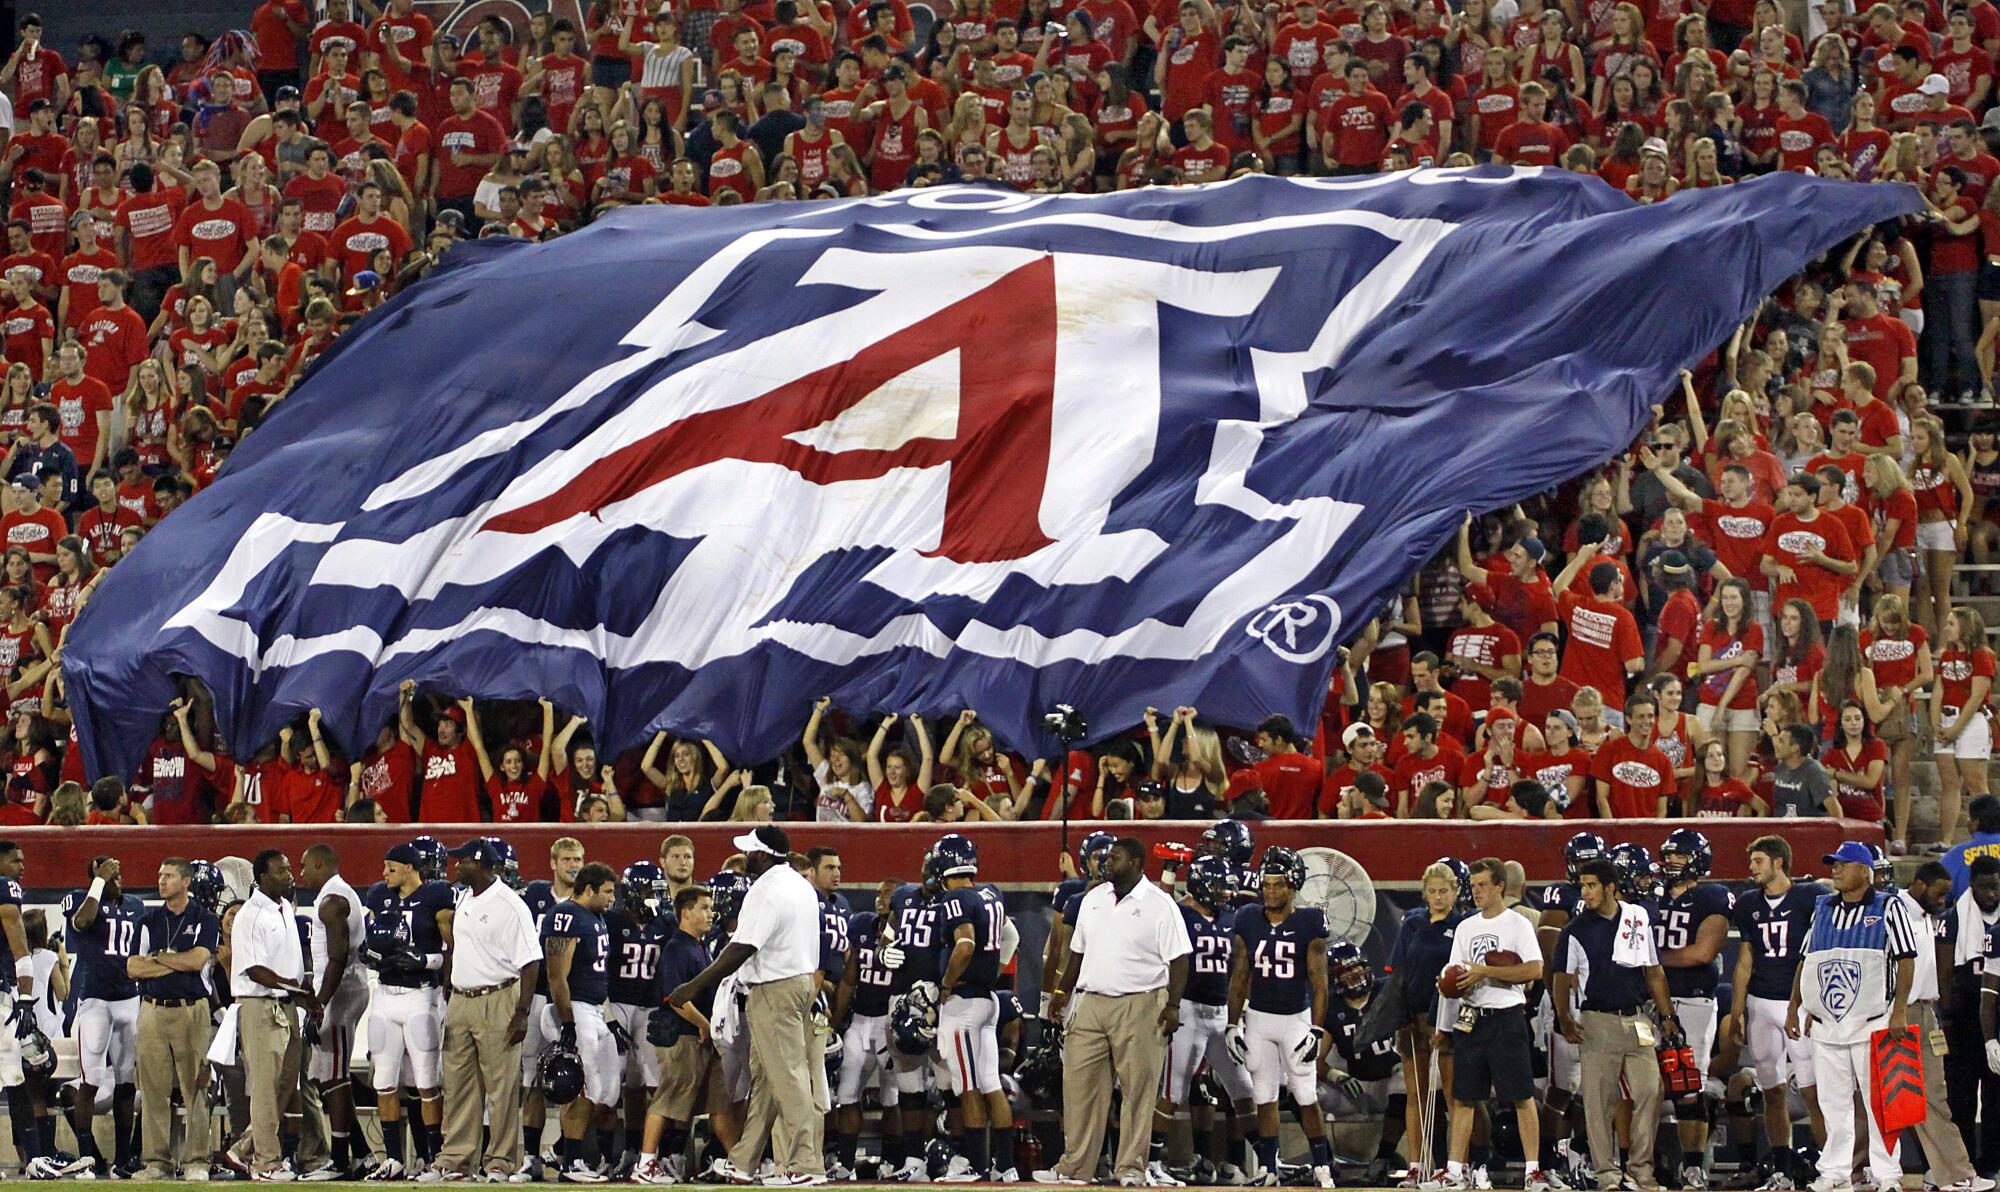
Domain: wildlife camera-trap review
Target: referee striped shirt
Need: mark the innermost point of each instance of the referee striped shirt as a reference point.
(1846, 929)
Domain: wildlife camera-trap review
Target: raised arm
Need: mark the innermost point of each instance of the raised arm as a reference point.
(1470, 571)
(814, 757)
(477, 738)
(927, 763)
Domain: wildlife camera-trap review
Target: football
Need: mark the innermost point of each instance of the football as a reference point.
(1452, 982)
(1501, 959)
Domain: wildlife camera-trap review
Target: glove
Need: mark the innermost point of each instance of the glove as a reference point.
(657, 1027)
(374, 952)
(1349, 1086)
(404, 966)
(619, 1035)
(566, 1035)
(1236, 1044)
(310, 1033)
(891, 956)
(1306, 1050)
(24, 1020)
(1993, 1055)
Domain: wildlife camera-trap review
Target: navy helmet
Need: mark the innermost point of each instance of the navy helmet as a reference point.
(913, 1021)
(1095, 852)
(1638, 873)
(1211, 880)
(1280, 861)
(642, 889)
(1352, 975)
(1463, 873)
(431, 855)
(560, 1075)
(726, 891)
(952, 856)
(1230, 840)
(1687, 843)
(510, 862)
(206, 885)
(1583, 848)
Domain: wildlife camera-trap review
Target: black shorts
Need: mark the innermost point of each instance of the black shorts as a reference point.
(1989, 282)
(610, 73)
(1495, 1059)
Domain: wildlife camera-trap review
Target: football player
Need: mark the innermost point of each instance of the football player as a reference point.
(1197, 1044)
(101, 926)
(970, 920)
(565, 858)
(1772, 920)
(576, 946)
(1562, 1119)
(1069, 894)
(635, 954)
(339, 924)
(408, 931)
(17, 978)
(861, 1005)
(726, 891)
(915, 956)
(1277, 1000)
(823, 871)
(1356, 1080)
(1691, 931)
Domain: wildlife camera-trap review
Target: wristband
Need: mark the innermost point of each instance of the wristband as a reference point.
(96, 892)
(24, 969)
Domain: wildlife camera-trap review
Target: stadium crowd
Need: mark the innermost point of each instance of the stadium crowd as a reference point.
(1753, 611)
(762, 1026)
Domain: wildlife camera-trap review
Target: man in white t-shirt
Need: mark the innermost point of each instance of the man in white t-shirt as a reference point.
(1492, 1049)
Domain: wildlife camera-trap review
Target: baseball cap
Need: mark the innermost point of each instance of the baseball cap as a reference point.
(364, 281)
(453, 221)
(767, 839)
(1567, 717)
(711, 101)
(481, 850)
(1935, 84)
(1372, 788)
(1673, 562)
(1481, 595)
(1654, 145)
(1358, 729)
(402, 854)
(1535, 549)
(1852, 851)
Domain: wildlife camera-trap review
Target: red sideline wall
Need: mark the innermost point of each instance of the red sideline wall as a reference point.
(1022, 855)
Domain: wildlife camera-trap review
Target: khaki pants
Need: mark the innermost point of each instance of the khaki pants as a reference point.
(270, 1033)
(778, 1015)
(1618, 1067)
(173, 1052)
(482, 1081)
(1944, 1146)
(1107, 1038)
(685, 1067)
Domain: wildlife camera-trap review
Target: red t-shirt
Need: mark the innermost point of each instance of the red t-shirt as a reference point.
(116, 342)
(79, 273)
(1553, 771)
(1799, 139)
(1721, 645)
(1290, 782)
(495, 87)
(48, 224)
(478, 133)
(1639, 778)
(354, 243)
(25, 328)
(386, 778)
(1340, 780)
(524, 802)
(102, 530)
(1955, 672)
(1680, 621)
(314, 798)
(1855, 801)
(1413, 773)
(1602, 638)
(77, 406)
(1790, 536)
(1722, 800)
(223, 232)
(1538, 699)
(150, 220)
(1883, 341)
(1195, 163)
(319, 198)
(450, 793)
(1737, 536)
(1488, 646)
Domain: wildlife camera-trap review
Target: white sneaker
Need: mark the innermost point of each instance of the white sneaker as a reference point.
(648, 1172)
(281, 1174)
(959, 1171)
(1832, 1183)
(793, 1179)
(1129, 1180)
(1452, 1183)
(1694, 1179)
(580, 1172)
(198, 1174)
(1535, 1181)
(1007, 1175)
(1480, 1179)
(1159, 1177)
(435, 1175)
(912, 1171)
(840, 1173)
(1323, 1176)
(1974, 1183)
(1051, 1176)
(319, 1175)
(722, 1171)
(389, 1171)
(1232, 1176)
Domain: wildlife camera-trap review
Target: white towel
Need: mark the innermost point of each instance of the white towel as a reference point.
(1971, 931)
(222, 1049)
(727, 1024)
(1633, 946)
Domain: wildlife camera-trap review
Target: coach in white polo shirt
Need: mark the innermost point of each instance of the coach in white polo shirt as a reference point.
(775, 954)
(1127, 965)
(496, 955)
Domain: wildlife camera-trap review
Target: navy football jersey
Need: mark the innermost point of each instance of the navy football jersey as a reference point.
(1679, 923)
(1208, 966)
(1067, 889)
(1776, 933)
(1249, 887)
(589, 983)
(10, 895)
(833, 938)
(1072, 906)
(917, 935)
(540, 896)
(1276, 954)
(872, 982)
(1378, 1060)
(1560, 896)
(98, 956)
(635, 955)
(1010, 1008)
(408, 922)
(980, 908)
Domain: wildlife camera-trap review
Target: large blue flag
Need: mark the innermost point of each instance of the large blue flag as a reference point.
(943, 449)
